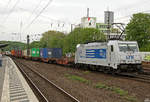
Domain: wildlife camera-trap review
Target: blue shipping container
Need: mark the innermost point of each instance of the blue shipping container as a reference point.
(51, 52)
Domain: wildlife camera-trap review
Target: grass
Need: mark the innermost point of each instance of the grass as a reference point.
(101, 86)
(86, 72)
(80, 79)
(124, 94)
(120, 91)
(117, 90)
(131, 98)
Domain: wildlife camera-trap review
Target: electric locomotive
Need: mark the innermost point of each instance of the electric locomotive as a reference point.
(112, 56)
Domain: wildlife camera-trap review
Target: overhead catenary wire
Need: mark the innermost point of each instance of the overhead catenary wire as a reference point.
(8, 3)
(49, 2)
(6, 6)
(34, 9)
(47, 17)
(12, 9)
(51, 20)
(59, 22)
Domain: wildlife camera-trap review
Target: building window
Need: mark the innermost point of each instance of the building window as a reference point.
(90, 24)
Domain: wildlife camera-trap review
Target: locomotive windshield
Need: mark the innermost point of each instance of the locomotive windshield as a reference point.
(124, 47)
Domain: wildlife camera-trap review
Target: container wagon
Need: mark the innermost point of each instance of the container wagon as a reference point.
(50, 55)
(13, 52)
(35, 54)
(27, 55)
(19, 53)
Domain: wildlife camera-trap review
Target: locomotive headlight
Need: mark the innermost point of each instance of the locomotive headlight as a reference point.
(137, 61)
(123, 61)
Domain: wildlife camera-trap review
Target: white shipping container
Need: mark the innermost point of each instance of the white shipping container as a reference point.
(25, 53)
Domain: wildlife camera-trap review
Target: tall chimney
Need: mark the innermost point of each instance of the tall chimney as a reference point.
(87, 12)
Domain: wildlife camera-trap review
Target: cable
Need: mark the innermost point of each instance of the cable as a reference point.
(6, 6)
(34, 9)
(49, 18)
(44, 16)
(39, 14)
(10, 12)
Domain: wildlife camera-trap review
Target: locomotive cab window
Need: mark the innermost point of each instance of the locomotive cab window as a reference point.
(123, 47)
(112, 48)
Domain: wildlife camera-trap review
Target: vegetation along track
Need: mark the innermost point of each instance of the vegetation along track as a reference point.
(49, 91)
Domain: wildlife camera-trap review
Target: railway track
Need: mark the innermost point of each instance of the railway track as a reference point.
(47, 90)
(146, 69)
(143, 77)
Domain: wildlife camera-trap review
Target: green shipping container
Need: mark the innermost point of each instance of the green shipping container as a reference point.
(35, 52)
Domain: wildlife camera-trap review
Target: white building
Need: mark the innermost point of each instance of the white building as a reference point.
(91, 22)
(88, 22)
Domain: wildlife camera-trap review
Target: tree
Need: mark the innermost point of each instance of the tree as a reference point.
(35, 44)
(139, 29)
(52, 39)
(145, 47)
(80, 36)
(13, 45)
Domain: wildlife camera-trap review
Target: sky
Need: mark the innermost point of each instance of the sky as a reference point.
(35, 17)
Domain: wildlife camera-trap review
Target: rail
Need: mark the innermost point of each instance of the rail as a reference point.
(50, 82)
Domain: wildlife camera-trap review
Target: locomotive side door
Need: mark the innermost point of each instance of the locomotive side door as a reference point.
(112, 56)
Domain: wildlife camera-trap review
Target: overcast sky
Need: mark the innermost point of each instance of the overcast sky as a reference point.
(17, 15)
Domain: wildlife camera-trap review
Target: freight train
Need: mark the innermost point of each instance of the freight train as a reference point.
(112, 57)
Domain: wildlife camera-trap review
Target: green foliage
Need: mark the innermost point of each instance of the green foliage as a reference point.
(145, 47)
(52, 39)
(124, 94)
(86, 72)
(80, 36)
(115, 30)
(114, 89)
(131, 99)
(147, 58)
(139, 30)
(117, 90)
(35, 44)
(80, 79)
(13, 45)
(100, 85)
